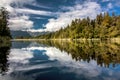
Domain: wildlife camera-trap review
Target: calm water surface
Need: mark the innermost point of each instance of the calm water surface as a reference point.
(60, 61)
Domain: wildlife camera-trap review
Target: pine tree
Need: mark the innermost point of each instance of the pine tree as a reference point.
(4, 30)
(103, 26)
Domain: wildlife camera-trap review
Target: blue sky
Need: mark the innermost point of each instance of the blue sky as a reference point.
(51, 15)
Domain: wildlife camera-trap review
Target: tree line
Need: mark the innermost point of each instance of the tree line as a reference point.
(4, 29)
(103, 26)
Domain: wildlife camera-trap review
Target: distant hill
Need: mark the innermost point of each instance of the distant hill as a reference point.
(20, 34)
(26, 33)
(37, 33)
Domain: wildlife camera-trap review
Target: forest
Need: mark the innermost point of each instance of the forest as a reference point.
(4, 29)
(104, 26)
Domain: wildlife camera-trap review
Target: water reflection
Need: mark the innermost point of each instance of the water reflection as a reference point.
(73, 60)
(104, 53)
(4, 52)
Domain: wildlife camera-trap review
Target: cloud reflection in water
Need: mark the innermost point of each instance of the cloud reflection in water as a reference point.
(30, 62)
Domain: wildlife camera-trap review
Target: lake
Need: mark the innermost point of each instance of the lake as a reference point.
(60, 60)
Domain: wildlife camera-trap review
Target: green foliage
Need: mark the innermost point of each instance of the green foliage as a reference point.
(5, 44)
(4, 30)
(103, 26)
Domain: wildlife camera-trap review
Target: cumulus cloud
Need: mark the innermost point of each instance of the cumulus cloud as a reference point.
(90, 9)
(17, 22)
(19, 15)
(78, 10)
(110, 6)
(18, 3)
(6, 2)
(20, 23)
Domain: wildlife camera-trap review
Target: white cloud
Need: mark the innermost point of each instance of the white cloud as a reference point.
(110, 6)
(20, 23)
(37, 12)
(90, 9)
(16, 21)
(7, 3)
(39, 18)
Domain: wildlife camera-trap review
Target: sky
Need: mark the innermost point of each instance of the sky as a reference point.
(51, 15)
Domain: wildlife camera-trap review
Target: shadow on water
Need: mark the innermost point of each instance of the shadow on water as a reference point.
(4, 52)
(103, 52)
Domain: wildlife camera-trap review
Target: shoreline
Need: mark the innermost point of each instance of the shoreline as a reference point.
(64, 39)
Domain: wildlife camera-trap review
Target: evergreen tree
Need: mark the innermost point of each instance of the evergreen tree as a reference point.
(4, 30)
(103, 26)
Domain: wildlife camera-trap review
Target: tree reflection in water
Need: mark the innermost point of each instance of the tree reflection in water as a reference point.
(103, 52)
(4, 52)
